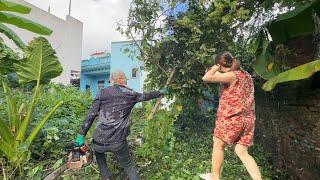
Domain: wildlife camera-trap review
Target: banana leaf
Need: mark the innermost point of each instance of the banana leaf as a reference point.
(12, 106)
(14, 7)
(24, 23)
(300, 72)
(40, 64)
(12, 35)
(264, 64)
(42, 122)
(298, 22)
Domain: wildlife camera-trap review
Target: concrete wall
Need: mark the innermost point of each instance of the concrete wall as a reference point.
(288, 126)
(121, 61)
(66, 38)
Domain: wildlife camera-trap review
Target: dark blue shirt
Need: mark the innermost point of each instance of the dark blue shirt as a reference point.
(113, 107)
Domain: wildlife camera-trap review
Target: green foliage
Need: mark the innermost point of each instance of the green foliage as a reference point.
(16, 135)
(39, 64)
(285, 27)
(7, 58)
(5, 17)
(189, 157)
(63, 126)
(301, 72)
(187, 42)
(15, 142)
(11, 35)
(158, 134)
(289, 25)
(194, 113)
(264, 64)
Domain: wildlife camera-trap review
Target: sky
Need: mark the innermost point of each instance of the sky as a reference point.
(99, 19)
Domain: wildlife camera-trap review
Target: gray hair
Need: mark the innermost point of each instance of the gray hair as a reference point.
(116, 75)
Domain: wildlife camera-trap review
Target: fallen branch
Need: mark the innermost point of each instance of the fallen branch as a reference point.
(56, 173)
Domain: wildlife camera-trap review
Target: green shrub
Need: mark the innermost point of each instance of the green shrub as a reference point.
(65, 123)
(49, 146)
(158, 133)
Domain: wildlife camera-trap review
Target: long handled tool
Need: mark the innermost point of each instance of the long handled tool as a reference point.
(157, 105)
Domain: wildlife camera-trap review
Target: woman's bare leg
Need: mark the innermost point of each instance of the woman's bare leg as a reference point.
(248, 161)
(217, 158)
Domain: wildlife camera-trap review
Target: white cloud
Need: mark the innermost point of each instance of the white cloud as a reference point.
(99, 19)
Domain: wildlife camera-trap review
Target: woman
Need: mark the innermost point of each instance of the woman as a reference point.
(236, 113)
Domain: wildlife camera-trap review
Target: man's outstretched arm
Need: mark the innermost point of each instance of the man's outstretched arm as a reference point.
(149, 95)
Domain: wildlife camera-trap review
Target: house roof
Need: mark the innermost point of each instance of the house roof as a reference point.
(97, 53)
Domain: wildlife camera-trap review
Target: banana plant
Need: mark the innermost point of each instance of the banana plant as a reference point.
(300, 72)
(40, 63)
(9, 18)
(293, 24)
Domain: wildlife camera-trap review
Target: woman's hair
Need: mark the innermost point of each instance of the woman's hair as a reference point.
(225, 59)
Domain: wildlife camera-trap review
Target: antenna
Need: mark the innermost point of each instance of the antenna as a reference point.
(49, 8)
(69, 7)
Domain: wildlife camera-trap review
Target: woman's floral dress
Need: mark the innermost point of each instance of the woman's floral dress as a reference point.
(236, 112)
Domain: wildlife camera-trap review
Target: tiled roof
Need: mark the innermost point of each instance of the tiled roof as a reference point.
(97, 53)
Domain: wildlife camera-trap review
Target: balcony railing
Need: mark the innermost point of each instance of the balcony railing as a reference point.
(95, 66)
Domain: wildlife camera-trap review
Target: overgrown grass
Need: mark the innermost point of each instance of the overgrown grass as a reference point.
(190, 157)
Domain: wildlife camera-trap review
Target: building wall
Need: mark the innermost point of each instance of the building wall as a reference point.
(118, 60)
(121, 61)
(288, 127)
(66, 38)
(92, 81)
(101, 72)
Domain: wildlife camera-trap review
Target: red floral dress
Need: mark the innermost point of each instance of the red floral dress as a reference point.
(236, 112)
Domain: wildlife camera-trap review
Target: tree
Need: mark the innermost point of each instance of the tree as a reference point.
(9, 18)
(185, 41)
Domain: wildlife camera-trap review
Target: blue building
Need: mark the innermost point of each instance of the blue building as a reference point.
(95, 71)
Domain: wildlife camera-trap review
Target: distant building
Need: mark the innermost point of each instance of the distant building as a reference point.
(75, 78)
(66, 38)
(95, 71)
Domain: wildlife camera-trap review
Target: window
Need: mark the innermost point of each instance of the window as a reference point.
(87, 87)
(134, 72)
(100, 85)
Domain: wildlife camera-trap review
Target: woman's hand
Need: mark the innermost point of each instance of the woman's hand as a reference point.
(216, 67)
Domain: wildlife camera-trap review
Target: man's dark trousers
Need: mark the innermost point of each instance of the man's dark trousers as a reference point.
(122, 153)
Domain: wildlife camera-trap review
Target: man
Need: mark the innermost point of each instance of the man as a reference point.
(113, 105)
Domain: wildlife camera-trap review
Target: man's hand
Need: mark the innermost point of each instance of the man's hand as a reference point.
(79, 140)
(164, 91)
